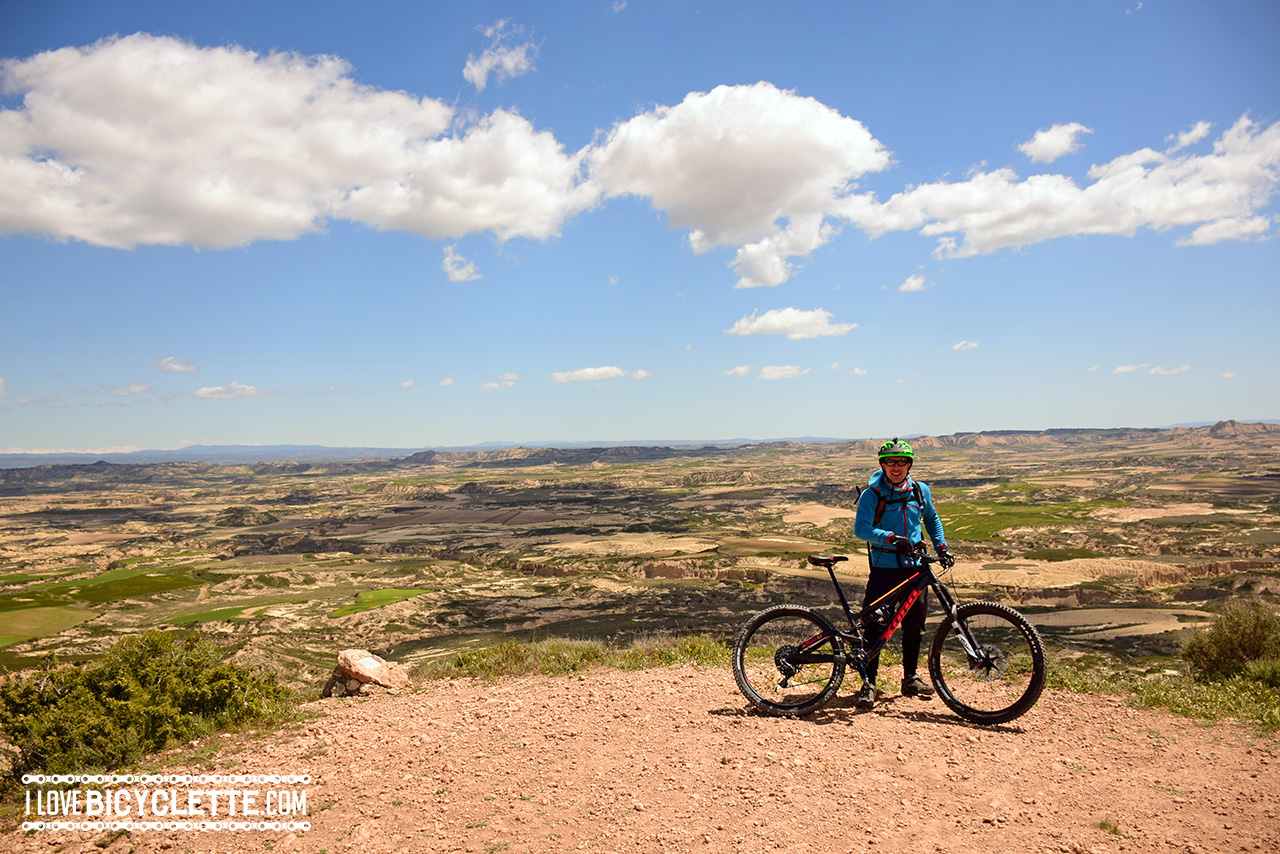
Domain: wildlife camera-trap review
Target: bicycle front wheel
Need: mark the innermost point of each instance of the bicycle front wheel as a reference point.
(988, 665)
(766, 661)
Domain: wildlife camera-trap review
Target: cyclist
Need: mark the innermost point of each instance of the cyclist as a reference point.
(890, 512)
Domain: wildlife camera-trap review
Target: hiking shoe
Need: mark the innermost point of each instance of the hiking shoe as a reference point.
(914, 686)
(866, 697)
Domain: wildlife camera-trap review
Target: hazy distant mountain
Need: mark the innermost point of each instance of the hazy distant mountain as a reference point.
(248, 454)
(548, 451)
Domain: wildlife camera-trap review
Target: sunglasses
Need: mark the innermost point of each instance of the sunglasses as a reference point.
(897, 461)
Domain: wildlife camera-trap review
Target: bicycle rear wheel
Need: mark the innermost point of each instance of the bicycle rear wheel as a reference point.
(1005, 676)
(765, 668)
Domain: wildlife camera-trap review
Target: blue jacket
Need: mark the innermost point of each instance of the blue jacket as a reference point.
(901, 518)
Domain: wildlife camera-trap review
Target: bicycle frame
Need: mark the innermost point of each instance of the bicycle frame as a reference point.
(910, 590)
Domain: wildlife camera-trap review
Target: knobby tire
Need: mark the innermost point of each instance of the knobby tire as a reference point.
(1007, 677)
(761, 662)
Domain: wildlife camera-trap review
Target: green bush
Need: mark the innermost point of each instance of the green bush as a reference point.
(1242, 634)
(147, 692)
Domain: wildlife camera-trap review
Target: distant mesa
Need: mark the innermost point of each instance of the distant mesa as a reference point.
(244, 517)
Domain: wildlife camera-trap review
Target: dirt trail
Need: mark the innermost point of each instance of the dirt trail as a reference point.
(669, 760)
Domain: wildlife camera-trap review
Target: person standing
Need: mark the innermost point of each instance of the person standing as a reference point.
(891, 511)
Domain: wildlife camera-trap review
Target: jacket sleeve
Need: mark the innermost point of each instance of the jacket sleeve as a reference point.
(863, 521)
(932, 521)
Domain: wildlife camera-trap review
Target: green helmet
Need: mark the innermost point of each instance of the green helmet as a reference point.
(896, 448)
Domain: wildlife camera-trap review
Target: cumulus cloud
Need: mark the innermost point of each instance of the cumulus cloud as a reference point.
(503, 58)
(446, 382)
(4, 392)
(458, 268)
(147, 140)
(1048, 145)
(131, 389)
(1128, 369)
(1227, 228)
(754, 167)
(792, 322)
(738, 371)
(230, 390)
(1189, 137)
(964, 345)
(994, 210)
(152, 140)
(608, 372)
(171, 365)
(1181, 370)
(504, 381)
(407, 384)
(915, 283)
(782, 372)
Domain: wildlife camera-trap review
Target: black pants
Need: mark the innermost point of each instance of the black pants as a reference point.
(881, 581)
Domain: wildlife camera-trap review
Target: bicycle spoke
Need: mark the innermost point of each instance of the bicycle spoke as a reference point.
(1001, 676)
(766, 668)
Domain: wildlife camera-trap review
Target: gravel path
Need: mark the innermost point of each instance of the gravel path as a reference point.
(669, 760)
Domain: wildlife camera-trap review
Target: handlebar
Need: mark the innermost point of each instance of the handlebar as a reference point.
(919, 551)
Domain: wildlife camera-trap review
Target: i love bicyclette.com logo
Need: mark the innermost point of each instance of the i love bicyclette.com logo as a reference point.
(185, 802)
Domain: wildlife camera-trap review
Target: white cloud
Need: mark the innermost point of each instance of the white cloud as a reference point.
(151, 140)
(502, 58)
(792, 322)
(1228, 375)
(446, 382)
(1048, 145)
(1163, 371)
(596, 375)
(749, 166)
(230, 390)
(1190, 137)
(407, 384)
(458, 268)
(171, 365)
(782, 372)
(131, 389)
(504, 381)
(738, 371)
(994, 210)
(4, 392)
(965, 345)
(147, 140)
(915, 283)
(1128, 369)
(858, 372)
(1227, 228)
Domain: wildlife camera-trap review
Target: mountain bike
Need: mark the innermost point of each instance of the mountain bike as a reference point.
(986, 661)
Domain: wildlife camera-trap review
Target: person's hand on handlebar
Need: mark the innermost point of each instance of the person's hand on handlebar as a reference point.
(903, 545)
(945, 557)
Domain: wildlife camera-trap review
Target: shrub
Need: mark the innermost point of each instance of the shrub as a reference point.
(1242, 634)
(147, 692)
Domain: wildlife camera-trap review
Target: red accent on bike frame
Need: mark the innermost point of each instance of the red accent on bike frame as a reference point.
(815, 640)
(902, 613)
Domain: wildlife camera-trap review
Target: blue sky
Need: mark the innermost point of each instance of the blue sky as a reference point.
(418, 224)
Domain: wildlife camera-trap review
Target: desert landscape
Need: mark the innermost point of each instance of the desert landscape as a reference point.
(1115, 543)
(1107, 539)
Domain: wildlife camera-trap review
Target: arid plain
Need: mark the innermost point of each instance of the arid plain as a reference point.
(1120, 540)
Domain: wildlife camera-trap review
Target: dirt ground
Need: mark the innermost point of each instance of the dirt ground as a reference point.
(670, 760)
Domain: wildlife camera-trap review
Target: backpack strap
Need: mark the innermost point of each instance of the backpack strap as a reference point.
(881, 502)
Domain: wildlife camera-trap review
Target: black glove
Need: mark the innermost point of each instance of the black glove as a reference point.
(903, 545)
(945, 557)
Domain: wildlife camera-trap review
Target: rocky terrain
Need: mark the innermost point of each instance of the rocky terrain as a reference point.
(670, 760)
